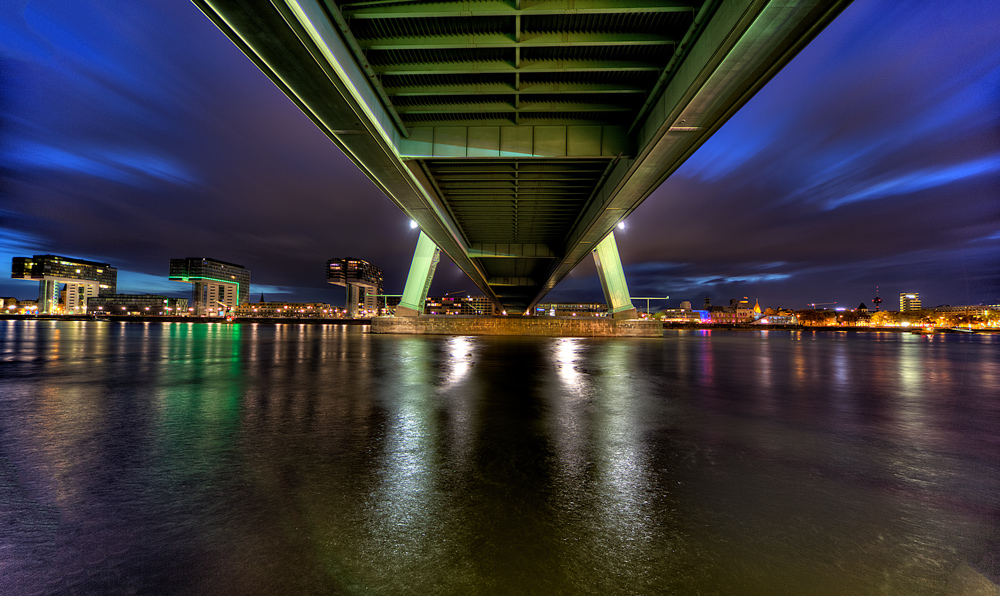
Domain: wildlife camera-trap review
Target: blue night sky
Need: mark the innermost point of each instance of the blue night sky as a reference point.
(134, 132)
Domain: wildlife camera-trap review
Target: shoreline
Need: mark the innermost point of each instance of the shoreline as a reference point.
(364, 322)
(199, 320)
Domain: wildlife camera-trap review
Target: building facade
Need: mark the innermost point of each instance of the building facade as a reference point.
(788, 319)
(458, 305)
(362, 281)
(909, 301)
(449, 305)
(219, 287)
(296, 310)
(13, 306)
(82, 280)
(683, 315)
(139, 304)
(572, 309)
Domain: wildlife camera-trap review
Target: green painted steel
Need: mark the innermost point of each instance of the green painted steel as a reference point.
(580, 141)
(500, 40)
(515, 123)
(489, 8)
(418, 281)
(609, 269)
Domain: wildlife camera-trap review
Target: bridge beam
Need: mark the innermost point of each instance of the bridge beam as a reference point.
(522, 126)
(418, 281)
(609, 269)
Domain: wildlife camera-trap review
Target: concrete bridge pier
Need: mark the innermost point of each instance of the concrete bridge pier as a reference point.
(418, 280)
(609, 269)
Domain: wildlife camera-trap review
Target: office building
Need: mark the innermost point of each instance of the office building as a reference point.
(909, 301)
(363, 283)
(219, 287)
(139, 304)
(82, 280)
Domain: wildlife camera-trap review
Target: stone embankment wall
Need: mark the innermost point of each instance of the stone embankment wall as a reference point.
(540, 326)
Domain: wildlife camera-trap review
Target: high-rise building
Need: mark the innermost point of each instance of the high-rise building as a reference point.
(219, 287)
(362, 280)
(909, 301)
(82, 279)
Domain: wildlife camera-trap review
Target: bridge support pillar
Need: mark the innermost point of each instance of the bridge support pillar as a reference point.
(609, 269)
(418, 281)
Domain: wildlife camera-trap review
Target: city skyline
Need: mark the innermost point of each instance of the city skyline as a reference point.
(908, 301)
(871, 160)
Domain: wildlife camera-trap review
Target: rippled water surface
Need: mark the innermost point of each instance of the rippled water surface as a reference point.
(309, 459)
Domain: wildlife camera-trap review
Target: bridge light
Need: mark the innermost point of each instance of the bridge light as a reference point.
(621, 225)
(413, 225)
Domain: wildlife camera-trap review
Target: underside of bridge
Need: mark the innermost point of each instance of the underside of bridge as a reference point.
(517, 133)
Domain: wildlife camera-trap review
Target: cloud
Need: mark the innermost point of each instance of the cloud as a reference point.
(18, 243)
(115, 164)
(919, 180)
(133, 282)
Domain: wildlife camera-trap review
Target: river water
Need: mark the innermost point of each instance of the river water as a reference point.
(143, 458)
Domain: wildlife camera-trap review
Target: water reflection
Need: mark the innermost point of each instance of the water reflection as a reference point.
(623, 487)
(565, 356)
(403, 500)
(570, 409)
(458, 360)
(318, 459)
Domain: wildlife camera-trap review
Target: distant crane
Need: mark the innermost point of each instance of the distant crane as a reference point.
(815, 304)
(647, 299)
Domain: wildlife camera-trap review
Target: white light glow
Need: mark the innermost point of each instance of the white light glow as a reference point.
(413, 225)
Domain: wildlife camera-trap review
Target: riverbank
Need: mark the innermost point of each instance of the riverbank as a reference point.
(737, 327)
(165, 319)
(314, 321)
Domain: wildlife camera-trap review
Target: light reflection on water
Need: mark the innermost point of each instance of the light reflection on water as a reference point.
(289, 459)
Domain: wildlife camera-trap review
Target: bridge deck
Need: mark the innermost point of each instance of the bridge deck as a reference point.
(517, 133)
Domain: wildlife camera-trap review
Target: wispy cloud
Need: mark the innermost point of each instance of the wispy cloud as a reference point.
(665, 277)
(133, 282)
(919, 180)
(114, 164)
(713, 280)
(991, 237)
(17, 243)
